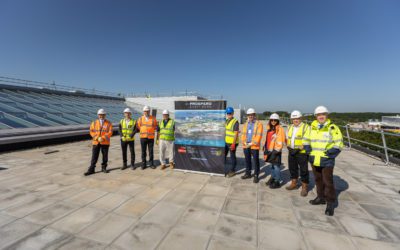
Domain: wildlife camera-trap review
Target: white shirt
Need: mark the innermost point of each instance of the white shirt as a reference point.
(101, 122)
(127, 122)
(295, 129)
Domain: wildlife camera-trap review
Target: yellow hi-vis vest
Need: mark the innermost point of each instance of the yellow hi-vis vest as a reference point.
(321, 140)
(127, 131)
(167, 131)
(229, 133)
(298, 140)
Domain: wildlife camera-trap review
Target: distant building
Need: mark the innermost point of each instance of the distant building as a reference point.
(391, 123)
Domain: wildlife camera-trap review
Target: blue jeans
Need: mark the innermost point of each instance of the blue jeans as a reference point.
(248, 153)
(276, 172)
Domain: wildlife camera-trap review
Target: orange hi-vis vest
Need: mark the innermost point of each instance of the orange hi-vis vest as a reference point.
(147, 129)
(278, 139)
(105, 132)
(256, 136)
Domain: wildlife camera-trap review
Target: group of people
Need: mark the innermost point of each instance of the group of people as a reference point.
(149, 130)
(319, 143)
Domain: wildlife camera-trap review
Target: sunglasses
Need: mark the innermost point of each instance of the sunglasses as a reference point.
(273, 120)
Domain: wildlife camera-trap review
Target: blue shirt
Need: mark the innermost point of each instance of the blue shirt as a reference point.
(250, 131)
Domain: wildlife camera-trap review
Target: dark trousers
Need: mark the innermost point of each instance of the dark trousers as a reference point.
(299, 162)
(95, 155)
(233, 156)
(147, 143)
(256, 154)
(124, 147)
(324, 183)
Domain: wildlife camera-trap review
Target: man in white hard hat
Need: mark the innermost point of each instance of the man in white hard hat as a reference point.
(147, 126)
(297, 157)
(101, 131)
(251, 141)
(127, 130)
(166, 139)
(326, 142)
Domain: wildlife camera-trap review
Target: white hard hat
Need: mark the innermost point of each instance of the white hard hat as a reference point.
(127, 110)
(295, 114)
(250, 111)
(320, 110)
(274, 116)
(165, 112)
(146, 108)
(101, 112)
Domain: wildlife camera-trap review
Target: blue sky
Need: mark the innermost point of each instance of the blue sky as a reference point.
(271, 55)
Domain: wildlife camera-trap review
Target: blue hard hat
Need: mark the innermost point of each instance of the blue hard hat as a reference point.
(229, 110)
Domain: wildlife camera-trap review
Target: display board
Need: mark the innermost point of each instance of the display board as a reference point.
(200, 135)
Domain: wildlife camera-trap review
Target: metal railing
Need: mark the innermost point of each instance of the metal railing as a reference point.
(351, 142)
(384, 146)
(54, 86)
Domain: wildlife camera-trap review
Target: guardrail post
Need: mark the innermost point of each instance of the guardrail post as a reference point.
(385, 147)
(348, 135)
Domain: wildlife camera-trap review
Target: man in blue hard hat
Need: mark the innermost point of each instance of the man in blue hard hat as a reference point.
(231, 139)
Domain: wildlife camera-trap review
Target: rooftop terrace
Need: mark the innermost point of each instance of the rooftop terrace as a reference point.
(45, 202)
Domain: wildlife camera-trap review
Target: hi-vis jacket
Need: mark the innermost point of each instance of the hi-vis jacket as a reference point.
(105, 132)
(299, 140)
(278, 139)
(256, 136)
(147, 128)
(229, 133)
(167, 132)
(325, 144)
(127, 132)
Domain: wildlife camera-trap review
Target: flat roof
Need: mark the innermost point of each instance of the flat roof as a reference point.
(46, 201)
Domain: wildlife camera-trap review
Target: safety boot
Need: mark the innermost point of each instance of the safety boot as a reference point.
(304, 189)
(104, 170)
(90, 171)
(231, 174)
(163, 166)
(255, 179)
(152, 166)
(172, 165)
(330, 207)
(318, 201)
(246, 176)
(125, 166)
(293, 185)
(144, 166)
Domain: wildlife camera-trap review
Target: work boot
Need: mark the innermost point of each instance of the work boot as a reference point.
(163, 166)
(125, 166)
(89, 171)
(144, 166)
(293, 185)
(330, 207)
(104, 170)
(246, 176)
(255, 179)
(318, 201)
(133, 166)
(270, 182)
(172, 165)
(304, 189)
(275, 184)
(152, 166)
(231, 174)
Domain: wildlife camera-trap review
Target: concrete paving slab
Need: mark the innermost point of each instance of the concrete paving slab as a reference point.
(109, 201)
(219, 243)
(199, 219)
(191, 186)
(153, 194)
(279, 236)
(213, 189)
(134, 208)
(180, 197)
(131, 189)
(318, 221)
(246, 193)
(78, 220)
(394, 228)
(241, 208)
(209, 202)
(317, 239)
(163, 213)
(142, 236)
(51, 213)
(278, 214)
(238, 228)
(367, 244)
(23, 209)
(79, 243)
(181, 239)
(45, 238)
(87, 196)
(5, 219)
(15, 231)
(107, 228)
(382, 212)
(365, 229)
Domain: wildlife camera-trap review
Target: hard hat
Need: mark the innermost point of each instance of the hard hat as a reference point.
(101, 112)
(127, 110)
(274, 116)
(295, 114)
(229, 110)
(250, 111)
(146, 108)
(165, 112)
(320, 110)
